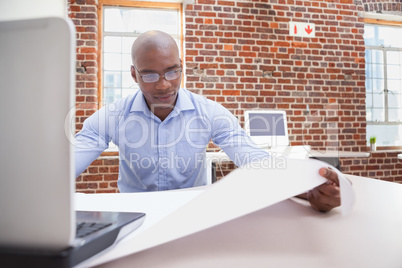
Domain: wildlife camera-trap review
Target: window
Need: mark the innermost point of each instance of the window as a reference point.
(384, 83)
(120, 26)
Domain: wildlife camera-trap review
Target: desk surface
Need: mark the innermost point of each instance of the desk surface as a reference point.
(314, 153)
(297, 152)
(291, 234)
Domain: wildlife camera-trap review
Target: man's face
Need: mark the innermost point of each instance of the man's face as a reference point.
(161, 94)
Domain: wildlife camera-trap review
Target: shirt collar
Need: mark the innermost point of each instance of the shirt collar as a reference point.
(139, 104)
(184, 102)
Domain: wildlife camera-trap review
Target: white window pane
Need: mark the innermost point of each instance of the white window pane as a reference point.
(393, 72)
(112, 62)
(393, 57)
(113, 21)
(369, 100)
(394, 85)
(387, 135)
(112, 79)
(377, 70)
(378, 100)
(377, 57)
(369, 115)
(112, 44)
(369, 73)
(394, 100)
(367, 56)
(128, 91)
(163, 20)
(141, 20)
(126, 62)
(369, 35)
(369, 85)
(394, 115)
(391, 35)
(378, 85)
(128, 80)
(111, 94)
(377, 35)
(127, 42)
(378, 115)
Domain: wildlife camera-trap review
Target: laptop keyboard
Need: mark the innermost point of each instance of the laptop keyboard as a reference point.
(86, 228)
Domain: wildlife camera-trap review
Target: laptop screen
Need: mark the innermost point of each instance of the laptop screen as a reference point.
(267, 128)
(37, 74)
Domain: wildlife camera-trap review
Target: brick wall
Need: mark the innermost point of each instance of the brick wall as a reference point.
(101, 176)
(84, 15)
(383, 165)
(239, 53)
(380, 6)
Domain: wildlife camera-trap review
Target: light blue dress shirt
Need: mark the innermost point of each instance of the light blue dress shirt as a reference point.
(162, 155)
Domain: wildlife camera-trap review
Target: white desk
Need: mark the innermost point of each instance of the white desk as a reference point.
(299, 152)
(314, 153)
(295, 152)
(288, 234)
(213, 158)
(332, 157)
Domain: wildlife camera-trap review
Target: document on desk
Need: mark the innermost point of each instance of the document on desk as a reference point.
(243, 191)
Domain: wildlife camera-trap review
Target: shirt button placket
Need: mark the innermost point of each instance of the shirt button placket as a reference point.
(162, 140)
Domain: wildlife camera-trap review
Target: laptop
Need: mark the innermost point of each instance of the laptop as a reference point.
(267, 128)
(38, 221)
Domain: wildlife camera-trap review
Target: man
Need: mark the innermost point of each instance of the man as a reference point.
(162, 131)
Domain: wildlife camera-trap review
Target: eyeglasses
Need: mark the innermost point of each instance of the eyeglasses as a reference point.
(154, 77)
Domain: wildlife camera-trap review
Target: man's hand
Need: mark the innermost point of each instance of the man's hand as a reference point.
(326, 196)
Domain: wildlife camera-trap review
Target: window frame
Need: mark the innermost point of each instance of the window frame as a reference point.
(129, 4)
(383, 22)
(386, 90)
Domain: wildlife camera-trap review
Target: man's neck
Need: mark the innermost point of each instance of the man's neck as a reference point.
(162, 113)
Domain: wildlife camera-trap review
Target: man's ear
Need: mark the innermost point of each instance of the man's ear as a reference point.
(133, 73)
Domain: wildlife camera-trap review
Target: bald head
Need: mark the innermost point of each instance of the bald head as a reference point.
(150, 41)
